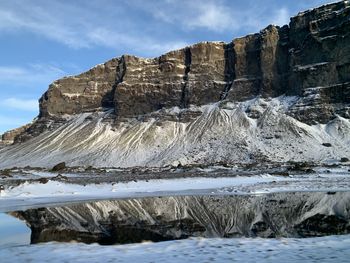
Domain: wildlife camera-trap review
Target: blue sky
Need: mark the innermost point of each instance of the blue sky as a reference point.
(42, 40)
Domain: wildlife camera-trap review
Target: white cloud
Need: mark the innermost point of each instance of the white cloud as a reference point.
(212, 16)
(281, 17)
(217, 16)
(81, 25)
(148, 27)
(102, 36)
(32, 73)
(20, 104)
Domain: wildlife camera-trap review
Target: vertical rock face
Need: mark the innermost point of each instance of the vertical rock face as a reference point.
(85, 92)
(260, 64)
(210, 72)
(195, 75)
(320, 61)
(309, 58)
(150, 84)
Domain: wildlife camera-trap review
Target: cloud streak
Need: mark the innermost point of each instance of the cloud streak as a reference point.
(20, 104)
(30, 74)
(80, 25)
(150, 27)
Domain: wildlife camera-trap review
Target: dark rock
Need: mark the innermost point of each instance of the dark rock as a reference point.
(344, 159)
(321, 225)
(326, 144)
(43, 180)
(5, 173)
(331, 193)
(59, 167)
(60, 177)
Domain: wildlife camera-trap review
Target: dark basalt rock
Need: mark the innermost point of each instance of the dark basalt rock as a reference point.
(59, 167)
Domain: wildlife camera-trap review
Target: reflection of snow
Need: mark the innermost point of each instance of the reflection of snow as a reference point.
(34, 194)
(324, 249)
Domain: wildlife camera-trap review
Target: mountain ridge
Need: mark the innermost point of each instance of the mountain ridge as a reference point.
(306, 62)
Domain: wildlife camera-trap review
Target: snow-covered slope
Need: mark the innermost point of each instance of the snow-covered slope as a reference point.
(250, 131)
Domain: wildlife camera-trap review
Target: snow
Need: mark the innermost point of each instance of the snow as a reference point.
(35, 194)
(320, 249)
(155, 142)
(311, 66)
(31, 194)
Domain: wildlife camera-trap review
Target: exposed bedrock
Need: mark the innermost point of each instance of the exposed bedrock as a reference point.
(313, 51)
(167, 218)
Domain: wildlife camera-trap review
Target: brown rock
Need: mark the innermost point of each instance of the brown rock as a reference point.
(89, 91)
(59, 167)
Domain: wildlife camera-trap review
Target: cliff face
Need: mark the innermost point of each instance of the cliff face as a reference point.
(86, 92)
(308, 61)
(310, 58)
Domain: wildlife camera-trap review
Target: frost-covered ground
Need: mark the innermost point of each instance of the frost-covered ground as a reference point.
(323, 249)
(28, 195)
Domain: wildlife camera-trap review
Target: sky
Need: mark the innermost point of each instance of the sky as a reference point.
(41, 40)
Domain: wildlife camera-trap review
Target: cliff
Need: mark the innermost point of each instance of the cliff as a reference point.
(307, 60)
(312, 52)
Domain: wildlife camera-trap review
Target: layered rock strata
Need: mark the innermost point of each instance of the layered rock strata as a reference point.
(309, 58)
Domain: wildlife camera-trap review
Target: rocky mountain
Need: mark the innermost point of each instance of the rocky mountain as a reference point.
(281, 94)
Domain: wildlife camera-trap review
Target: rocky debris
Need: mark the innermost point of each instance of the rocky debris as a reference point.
(344, 160)
(59, 167)
(136, 220)
(60, 177)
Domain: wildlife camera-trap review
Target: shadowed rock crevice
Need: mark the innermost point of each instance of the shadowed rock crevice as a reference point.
(185, 89)
(229, 71)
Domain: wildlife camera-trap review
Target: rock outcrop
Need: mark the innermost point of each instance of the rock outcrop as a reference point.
(89, 91)
(10, 136)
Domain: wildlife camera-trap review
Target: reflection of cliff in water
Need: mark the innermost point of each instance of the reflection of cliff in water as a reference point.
(168, 218)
